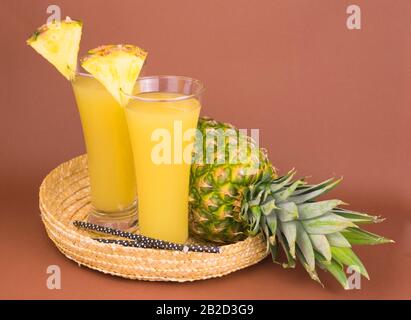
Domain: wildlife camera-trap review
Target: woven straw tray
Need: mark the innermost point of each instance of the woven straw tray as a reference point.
(64, 197)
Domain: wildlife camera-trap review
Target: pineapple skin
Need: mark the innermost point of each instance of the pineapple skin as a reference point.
(217, 190)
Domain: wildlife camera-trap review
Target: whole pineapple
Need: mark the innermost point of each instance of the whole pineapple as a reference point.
(230, 200)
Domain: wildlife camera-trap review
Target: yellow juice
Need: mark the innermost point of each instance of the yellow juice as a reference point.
(110, 160)
(162, 135)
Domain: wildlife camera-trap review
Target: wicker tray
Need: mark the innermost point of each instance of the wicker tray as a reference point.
(64, 197)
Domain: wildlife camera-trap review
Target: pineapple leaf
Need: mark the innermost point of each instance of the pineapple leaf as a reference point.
(284, 195)
(315, 209)
(312, 272)
(347, 257)
(268, 207)
(266, 231)
(290, 260)
(315, 191)
(328, 223)
(334, 268)
(305, 246)
(274, 252)
(336, 239)
(255, 219)
(359, 236)
(320, 244)
(256, 200)
(289, 230)
(271, 221)
(357, 217)
(279, 183)
(287, 211)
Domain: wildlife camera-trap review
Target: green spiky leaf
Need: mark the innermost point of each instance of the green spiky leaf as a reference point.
(314, 191)
(320, 244)
(316, 209)
(347, 257)
(274, 252)
(335, 269)
(336, 239)
(285, 194)
(290, 260)
(328, 223)
(359, 236)
(287, 211)
(279, 183)
(271, 221)
(289, 229)
(268, 207)
(311, 271)
(305, 246)
(357, 217)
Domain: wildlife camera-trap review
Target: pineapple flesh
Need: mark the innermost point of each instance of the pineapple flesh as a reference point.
(59, 42)
(117, 67)
(228, 203)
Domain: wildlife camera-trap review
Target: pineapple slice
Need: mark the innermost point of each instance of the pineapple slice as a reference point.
(117, 67)
(58, 43)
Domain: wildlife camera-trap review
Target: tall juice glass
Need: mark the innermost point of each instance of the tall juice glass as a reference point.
(110, 160)
(162, 117)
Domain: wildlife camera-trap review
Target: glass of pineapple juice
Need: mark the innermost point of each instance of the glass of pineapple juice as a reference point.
(110, 160)
(162, 117)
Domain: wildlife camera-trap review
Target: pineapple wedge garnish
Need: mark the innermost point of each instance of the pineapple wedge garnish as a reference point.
(59, 42)
(117, 67)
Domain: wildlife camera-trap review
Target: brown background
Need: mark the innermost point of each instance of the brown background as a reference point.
(327, 100)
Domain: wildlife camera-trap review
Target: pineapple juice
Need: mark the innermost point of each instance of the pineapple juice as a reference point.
(162, 135)
(110, 160)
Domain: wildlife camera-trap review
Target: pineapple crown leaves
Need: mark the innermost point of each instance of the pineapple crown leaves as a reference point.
(316, 233)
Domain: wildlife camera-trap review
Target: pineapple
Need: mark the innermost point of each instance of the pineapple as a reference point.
(216, 190)
(229, 202)
(117, 67)
(59, 42)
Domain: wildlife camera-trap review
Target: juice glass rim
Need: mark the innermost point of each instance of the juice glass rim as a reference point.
(199, 90)
(84, 74)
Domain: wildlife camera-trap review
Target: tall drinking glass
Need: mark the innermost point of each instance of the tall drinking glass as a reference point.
(162, 117)
(110, 160)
